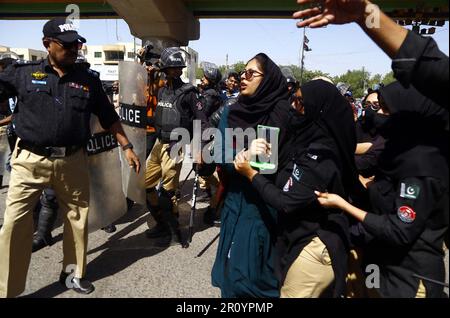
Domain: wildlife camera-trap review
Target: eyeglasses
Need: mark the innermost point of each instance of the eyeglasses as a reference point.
(375, 106)
(68, 45)
(250, 74)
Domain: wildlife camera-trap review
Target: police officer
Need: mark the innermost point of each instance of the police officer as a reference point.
(312, 241)
(55, 100)
(209, 88)
(292, 83)
(212, 101)
(404, 230)
(178, 105)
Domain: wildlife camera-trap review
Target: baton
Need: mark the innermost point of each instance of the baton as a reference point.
(208, 245)
(193, 202)
(431, 280)
(182, 185)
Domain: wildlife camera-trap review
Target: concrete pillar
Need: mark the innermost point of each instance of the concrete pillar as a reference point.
(169, 22)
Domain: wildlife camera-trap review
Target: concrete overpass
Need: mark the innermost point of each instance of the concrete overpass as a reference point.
(177, 21)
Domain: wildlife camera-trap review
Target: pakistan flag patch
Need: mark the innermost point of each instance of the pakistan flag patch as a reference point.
(409, 191)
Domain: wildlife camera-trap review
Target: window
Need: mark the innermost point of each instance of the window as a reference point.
(114, 55)
(98, 54)
(131, 55)
(33, 57)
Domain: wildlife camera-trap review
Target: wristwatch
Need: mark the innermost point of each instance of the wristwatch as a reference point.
(127, 146)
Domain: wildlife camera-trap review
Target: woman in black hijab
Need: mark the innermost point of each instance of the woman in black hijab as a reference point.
(313, 241)
(409, 198)
(244, 265)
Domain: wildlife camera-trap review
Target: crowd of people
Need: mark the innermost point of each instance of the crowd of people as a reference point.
(357, 185)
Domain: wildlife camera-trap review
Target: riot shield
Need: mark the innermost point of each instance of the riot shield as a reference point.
(4, 150)
(107, 201)
(133, 115)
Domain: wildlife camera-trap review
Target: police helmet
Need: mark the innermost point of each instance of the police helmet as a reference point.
(9, 55)
(375, 88)
(211, 72)
(291, 80)
(172, 57)
(343, 88)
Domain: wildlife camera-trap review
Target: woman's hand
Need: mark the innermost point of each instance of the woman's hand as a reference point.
(330, 200)
(259, 147)
(330, 12)
(366, 182)
(242, 166)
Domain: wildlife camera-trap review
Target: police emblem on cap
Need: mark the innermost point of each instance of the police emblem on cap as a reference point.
(406, 214)
(39, 75)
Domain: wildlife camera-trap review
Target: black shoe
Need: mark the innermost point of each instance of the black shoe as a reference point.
(79, 285)
(177, 238)
(40, 242)
(159, 230)
(130, 204)
(217, 223)
(109, 229)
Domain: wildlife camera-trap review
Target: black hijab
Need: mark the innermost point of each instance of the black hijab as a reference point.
(328, 119)
(416, 133)
(269, 105)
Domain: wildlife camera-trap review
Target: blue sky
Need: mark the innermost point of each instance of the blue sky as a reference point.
(335, 49)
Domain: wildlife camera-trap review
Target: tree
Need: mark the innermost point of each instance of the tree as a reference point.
(307, 74)
(239, 66)
(357, 79)
(388, 78)
(198, 73)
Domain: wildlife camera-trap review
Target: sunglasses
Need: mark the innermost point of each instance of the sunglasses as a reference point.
(68, 45)
(250, 74)
(375, 106)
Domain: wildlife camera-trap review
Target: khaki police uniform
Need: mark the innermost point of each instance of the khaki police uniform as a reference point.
(52, 120)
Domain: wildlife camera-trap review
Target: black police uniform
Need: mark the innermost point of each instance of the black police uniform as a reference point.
(409, 220)
(54, 111)
(211, 101)
(301, 218)
(183, 101)
(409, 198)
(420, 62)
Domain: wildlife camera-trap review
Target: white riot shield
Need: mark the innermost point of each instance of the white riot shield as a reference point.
(133, 115)
(107, 201)
(4, 150)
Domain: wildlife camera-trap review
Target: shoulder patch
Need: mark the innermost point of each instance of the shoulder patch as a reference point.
(287, 187)
(297, 172)
(409, 191)
(406, 214)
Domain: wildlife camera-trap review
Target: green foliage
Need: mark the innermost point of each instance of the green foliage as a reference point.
(198, 73)
(239, 67)
(388, 78)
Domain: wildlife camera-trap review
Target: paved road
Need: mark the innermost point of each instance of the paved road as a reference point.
(127, 264)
